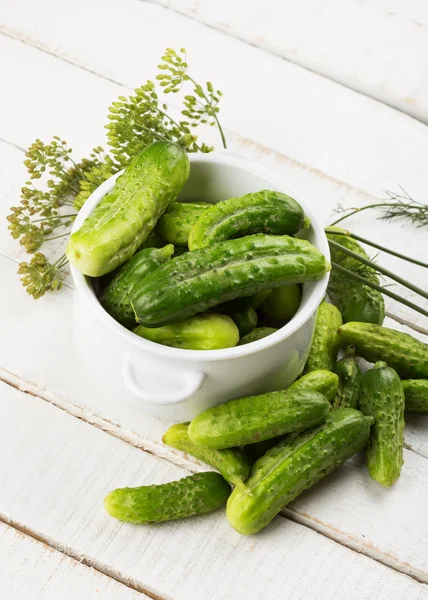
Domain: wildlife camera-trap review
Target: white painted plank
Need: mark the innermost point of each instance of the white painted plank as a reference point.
(280, 105)
(55, 470)
(30, 570)
(416, 10)
(362, 45)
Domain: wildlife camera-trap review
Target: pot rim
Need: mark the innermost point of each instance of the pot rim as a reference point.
(84, 287)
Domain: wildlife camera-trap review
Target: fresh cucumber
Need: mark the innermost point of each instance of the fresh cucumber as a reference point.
(176, 222)
(324, 346)
(416, 394)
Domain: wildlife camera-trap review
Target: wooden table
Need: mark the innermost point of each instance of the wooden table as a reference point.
(333, 95)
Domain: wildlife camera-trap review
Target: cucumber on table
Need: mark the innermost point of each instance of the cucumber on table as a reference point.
(407, 355)
(193, 495)
(416, 394)
(349, 383)
(204, 278)
(324, 345)
(294, 465)
(382, 397)
(260, 212)
(207, 331)
(176, 222)
(115, 297)
(126, 215)
(231, 462)
(254, 418)
(356, 301)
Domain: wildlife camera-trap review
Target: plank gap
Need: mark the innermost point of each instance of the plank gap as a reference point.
(81, 558)
(353, 544)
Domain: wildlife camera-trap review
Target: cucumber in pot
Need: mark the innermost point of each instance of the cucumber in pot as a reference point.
(126, 215)
(350, 380)
(231, 462)
(261, 212)
(324, 345)
(382, 397)
(416, 394)
(245, 318)
(246, 302)
(207, 331)
(255, 418)
(283, 303)
(176, 222)
(193, 495)
(199, 280)
(115, 297)
(356, 301)
(407, 355)
(257, 334)
(322, 381)
(294, 465)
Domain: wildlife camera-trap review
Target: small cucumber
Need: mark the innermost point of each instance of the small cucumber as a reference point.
(294, 465)
(255, 418)
(382, 397)
(152, 241)
(324, 346)
(196, 281)
(246, 302)
(356, 301)
(176, 222)
(407, 355)
(261, 212)
(416, 394)
(231, 462)
(115, 297)
(283, 303)
(123, 219)
(350, 380)
(245, 318)
(324, 382)
(193, 495)
(207, 331)
(257, 334)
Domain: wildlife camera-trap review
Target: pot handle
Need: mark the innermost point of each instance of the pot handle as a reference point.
(185, 384)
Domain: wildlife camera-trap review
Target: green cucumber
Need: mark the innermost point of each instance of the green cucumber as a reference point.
(231, 462)
(176, 222)
(193, 495)
(115, 297)
(350, 380)
(257, 334)
(261, 212)
(126, 215)
(356, 301)
(245, 318)
(407, 355)
(294, 465)
(324, 382)
(255, 418)
(208, 331)
(382, 397)
(324, 346)
(199, 280)
(283, 303)
(416, 394)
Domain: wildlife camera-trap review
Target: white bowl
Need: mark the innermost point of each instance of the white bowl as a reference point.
(179, 384)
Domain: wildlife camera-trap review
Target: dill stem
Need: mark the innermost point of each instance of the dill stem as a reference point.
(379, 269)
(379, 288)
(354, 211)
(213, 112)
(375, 245)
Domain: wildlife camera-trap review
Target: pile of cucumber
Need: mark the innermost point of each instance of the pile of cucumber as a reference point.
(269, 448)
(194, 275)
(199, 276)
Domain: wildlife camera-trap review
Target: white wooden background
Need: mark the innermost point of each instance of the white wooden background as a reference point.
(331, 94)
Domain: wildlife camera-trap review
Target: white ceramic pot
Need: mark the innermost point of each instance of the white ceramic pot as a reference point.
(178, 384)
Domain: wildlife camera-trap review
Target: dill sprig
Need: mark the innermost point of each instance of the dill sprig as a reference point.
(398, 205)
(58, 185)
